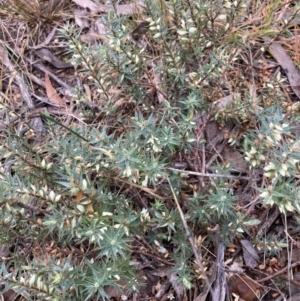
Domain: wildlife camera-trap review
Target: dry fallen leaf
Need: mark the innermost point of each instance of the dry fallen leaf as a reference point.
(78, 197)
(250, 254)
(156, 82)
(122, 9)
(51, 93)
(226, 101)
(9, 295)
(212, 274)
(47, 55)
(235, 159)
(37, 124)
(140, 31)
(96, 32)
(294, 298)
(87, 4)
(245, 287)
(82, 18)
(92, 37)
(295, 256)
(291, 70)
(177, 285)
(100, 27)
(47, 40)
(128, 9)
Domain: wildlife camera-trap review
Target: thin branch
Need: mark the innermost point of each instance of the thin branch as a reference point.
(279, 272)
(197, 253)
(210, 175)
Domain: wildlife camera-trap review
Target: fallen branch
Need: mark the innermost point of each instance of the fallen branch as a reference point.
(279, 272)
(197, 253)
(210, 175)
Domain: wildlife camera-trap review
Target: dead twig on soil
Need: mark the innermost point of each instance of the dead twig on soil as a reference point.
(45, 70)
(210, 175)
(37, 122)
(197, 253)
(279, 272)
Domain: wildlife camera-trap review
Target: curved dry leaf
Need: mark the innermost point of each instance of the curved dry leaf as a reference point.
(96, 32)
(4, 249)
(87, 4)
(128, 9)
(177, 286)
(235, 159)
(291, 70)
(46, 55)
(100, 27)
(162, 271)
(137, 36)
(225, 101)
(122, 9)
(9, 295)
(92, 37)
(295, 297)
(81, 18)
(51, 93)
(36, 122)
(295, 256)
(245, 287)
(288, 14)
(250, 254)
(140, 30)
(212, 274)
(47, 40)
(162, 289)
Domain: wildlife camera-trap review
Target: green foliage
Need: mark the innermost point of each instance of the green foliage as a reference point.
(275, 148)
(77, 199)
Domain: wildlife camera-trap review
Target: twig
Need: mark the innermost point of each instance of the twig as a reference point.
(197, 253)
(279, 272)
(45, 70)
(146, 189)
(210, 175)
(33, 208)
(47, 40)
(154, 256)
(270, 219)
(217, 154)
(4, 58)
(290, 280)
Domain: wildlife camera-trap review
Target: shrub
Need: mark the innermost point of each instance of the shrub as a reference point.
(76, 201)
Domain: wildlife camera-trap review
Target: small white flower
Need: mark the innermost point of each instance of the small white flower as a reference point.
(80, 208)
(52, 195)
(265, 194)
(192, 30)
(269, 174)
(107, 213)
(128, 171)
(181, 32)
(253, 150)
(84, 184)
(253, 163)
(270, 140)
(271, 166)
(278, 127)
(288, 206)
(157, 35)
(43, 163)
